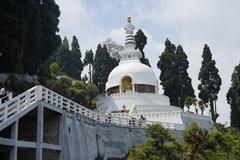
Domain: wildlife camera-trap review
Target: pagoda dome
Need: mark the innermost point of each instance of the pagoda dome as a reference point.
(140, 74)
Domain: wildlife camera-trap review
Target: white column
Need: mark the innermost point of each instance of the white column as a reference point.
(133, 87)
(39, 133)
(14, 136)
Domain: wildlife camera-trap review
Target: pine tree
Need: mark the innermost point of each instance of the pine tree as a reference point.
(102, 66)
(27, 34)
(177, 85)
(63, 54)
(141, 41)
(185, 88)
(210, 81)
(233, 97)
(88, 60)
(70, 60)
(168, 73)
(75, 66)
(65, 43)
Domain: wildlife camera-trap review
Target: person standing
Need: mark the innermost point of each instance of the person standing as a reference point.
(3, 95)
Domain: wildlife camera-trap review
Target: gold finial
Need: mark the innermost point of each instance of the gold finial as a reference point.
(129, 20)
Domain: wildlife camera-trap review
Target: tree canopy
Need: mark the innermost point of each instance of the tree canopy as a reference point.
(141, 41)
(174, 77)
(197, 144)
(210, 81)
(233, 97)
(75, 90)
(103, 64)
(28, 34)
(71, 62)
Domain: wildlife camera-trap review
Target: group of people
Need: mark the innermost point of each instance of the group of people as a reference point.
(3, 95)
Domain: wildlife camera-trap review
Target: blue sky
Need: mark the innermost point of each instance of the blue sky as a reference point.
(191, 23)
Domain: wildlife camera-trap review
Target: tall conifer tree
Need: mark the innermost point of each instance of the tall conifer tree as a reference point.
(141, 41)
(174, 77)
(76, 65)
(233, 97)
(63, 54)
(185, 88)
(27, 34)
(210, 81)
(168, 76)
(102, 66)
(70, 60)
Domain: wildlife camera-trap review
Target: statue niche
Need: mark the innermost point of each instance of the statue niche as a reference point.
(126, 84)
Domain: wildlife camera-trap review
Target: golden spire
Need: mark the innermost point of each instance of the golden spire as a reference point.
(129, 20)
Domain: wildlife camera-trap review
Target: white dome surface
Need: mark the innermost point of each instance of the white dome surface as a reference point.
(140, 74)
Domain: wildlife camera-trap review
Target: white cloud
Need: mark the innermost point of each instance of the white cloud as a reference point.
(198, 22)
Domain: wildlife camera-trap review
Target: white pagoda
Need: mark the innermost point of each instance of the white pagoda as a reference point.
(132, 92)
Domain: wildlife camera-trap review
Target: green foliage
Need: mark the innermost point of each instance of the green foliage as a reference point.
(70, 60)
(75, 90)
(174, 77)
(233, 97)
(197, 144)
(189, 101)
(92, 92)
(210, 81)
(161, 146)
(27, 34)
(201, 106)
(103, 64)
(79, 85)
(54, 67)
(194, 137)
(141, 41)
(184, 81)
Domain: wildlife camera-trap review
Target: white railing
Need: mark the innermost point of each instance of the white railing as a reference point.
(15, 105)
(39, 93)
(146, 122)
(159, 108)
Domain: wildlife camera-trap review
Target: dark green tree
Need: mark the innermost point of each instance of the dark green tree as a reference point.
(174, 77)
(233, 97)
(210, 81)
(185, 88)
(161, 145)
(50, 42)
(65, 43)
(141, 41)
(92, 92)
(75, 65)
(103, 64)
(27, 34)
(197, 144)
(195, 138)
(62, 57)
(168, 76)
(70, 60)
(88, 60)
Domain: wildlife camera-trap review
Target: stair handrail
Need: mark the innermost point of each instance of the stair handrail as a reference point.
(37, 93)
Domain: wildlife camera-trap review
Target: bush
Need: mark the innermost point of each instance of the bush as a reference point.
(54, 67)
